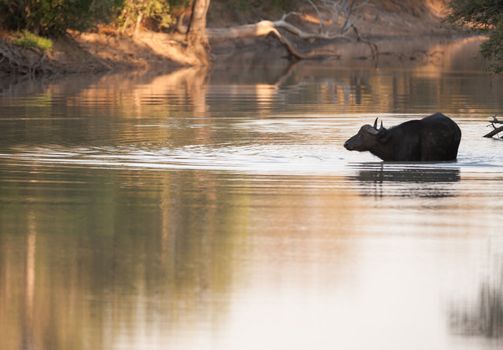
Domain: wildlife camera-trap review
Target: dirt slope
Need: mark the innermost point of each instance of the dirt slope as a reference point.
(106, 50)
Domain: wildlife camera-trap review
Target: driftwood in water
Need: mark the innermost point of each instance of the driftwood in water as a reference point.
(496, 129)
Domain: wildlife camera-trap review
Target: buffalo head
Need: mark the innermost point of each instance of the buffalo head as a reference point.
(366, 138)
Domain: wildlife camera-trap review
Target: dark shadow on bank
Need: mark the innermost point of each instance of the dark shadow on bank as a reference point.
(383, 180)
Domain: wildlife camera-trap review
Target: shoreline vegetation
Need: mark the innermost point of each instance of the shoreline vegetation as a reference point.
(364, 31)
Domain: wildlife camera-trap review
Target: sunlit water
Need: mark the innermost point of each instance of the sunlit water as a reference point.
(220, 211)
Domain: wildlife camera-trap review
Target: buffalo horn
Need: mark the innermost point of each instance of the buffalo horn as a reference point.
(375, 123)
(382, 127)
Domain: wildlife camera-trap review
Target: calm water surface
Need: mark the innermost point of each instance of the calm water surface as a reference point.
(220, 211)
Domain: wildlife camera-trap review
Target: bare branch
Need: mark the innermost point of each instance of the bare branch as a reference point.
(347, 13)
(496, 130)
(318, 14)
(305, 35)
(496, 120)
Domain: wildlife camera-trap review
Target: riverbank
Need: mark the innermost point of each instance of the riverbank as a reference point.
(381, 23)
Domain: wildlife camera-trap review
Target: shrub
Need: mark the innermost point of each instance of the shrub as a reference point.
(135, 12)
(486, 15)
(28, 39)
(54, 17)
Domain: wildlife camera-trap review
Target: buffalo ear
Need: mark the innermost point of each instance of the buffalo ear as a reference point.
(370, 130)
(384, 135)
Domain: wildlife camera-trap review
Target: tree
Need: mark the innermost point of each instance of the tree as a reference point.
(197, 38)
(486, 15)
(135, 12)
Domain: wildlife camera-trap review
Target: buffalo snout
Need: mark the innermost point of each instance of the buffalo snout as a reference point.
(356, 142)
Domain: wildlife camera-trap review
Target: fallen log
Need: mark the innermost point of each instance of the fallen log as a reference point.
(276, 28)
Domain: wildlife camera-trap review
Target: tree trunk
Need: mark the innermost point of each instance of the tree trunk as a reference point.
(196, 36)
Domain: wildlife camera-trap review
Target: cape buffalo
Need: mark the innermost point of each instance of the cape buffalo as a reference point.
(433, 138)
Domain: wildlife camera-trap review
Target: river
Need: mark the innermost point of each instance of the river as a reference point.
(195, 210)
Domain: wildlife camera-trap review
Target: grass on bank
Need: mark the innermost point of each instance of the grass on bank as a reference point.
(30, 40)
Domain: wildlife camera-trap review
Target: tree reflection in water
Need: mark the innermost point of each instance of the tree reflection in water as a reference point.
(484, 316)
(99, 256)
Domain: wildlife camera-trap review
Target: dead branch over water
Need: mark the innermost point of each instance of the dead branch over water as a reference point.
(496, 129)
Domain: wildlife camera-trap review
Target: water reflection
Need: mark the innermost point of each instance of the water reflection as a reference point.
(382, 179)
(164, 250)
(483, 316)
(117, 258)
(195, 210)
(283, 88)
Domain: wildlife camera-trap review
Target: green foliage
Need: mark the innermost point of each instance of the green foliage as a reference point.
(28, 39)
(493, 48)
(486, 15)
(53, 17)
(157, 12)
